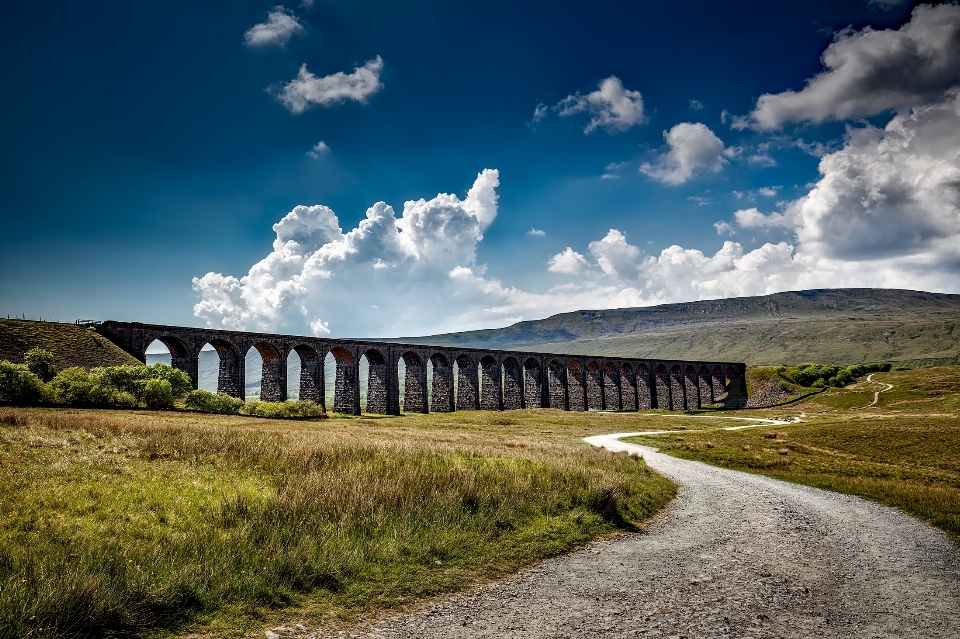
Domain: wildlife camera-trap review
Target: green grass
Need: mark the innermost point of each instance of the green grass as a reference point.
(70, 344)
(134, 523)
(904, 452)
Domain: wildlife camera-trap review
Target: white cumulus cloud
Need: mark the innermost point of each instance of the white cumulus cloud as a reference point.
(692, 148)
(307, 90)
(611, 107)
(280, 26)
(568, 262)
(868, 72)
(320, 148)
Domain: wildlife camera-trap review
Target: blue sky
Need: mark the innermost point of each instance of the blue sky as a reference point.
(660, 152)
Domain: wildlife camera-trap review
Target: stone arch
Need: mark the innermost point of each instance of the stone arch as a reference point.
(661, 390)
(628, 387)
(346, 389)
(593, 391)
(273, 371)
(491, 390)
(705, 385)
(646, 396)
(181, 356)
(442, 400)
(231, 376)
(691, 388)
(717, 383)
(376, 381)
(730, 372)
(677, 394)
(512, 384)
(575, 388)
(467, 383)
(311, 383)
(556, 388)
(532, 383)
(414, 383)
(610, 386)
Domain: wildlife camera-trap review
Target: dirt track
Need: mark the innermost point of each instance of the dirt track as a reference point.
(735, 555)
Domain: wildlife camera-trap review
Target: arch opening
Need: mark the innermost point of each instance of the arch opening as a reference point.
(265, 373)
(305, 375)
(170, 350)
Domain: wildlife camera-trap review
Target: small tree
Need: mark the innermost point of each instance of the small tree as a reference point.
(158, 394)
(19, 386)
(40, 363)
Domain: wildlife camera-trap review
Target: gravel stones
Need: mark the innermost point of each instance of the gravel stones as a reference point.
(735, 555)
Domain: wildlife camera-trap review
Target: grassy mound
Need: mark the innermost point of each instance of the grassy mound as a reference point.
(131, 522)
(70, 344)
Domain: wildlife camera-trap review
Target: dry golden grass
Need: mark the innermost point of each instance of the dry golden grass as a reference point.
(137, 522)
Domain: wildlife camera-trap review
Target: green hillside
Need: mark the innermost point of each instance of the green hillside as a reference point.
(70, 344)
(845, 326)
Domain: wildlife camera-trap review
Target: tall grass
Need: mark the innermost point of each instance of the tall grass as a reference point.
(125, 525)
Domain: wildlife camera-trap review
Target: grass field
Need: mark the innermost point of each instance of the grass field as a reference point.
(903, 452)
(133, 523)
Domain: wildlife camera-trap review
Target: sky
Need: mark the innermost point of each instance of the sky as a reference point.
(383, 169)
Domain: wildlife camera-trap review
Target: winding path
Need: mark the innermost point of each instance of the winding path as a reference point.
(876, 395)
(735, 555)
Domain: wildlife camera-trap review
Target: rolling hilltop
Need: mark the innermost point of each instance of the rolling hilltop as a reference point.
(844, 326)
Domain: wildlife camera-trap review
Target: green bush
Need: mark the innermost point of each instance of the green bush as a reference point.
(158, 394)
(19, 385)
(76, 387)
(207, 402)
(40, 363)
(821, 375)
(284, 410)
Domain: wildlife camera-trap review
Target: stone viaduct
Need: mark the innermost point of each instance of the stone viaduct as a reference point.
(486, 379)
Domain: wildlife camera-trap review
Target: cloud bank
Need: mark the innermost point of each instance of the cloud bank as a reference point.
(869, 72)
(884, 212)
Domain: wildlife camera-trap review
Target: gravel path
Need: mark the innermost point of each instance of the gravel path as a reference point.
(735, 555)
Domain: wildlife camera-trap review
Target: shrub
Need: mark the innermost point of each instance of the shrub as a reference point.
(19, 385)
(180, 383)
(281, 410)
(76, 387)
(207, 402)
(158, 394)
(40, 363)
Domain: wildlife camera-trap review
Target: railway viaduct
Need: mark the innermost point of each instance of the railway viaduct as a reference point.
(486, 379)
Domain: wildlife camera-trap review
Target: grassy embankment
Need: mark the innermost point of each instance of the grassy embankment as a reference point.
(70, 344)
(903, 452)
(135, 522)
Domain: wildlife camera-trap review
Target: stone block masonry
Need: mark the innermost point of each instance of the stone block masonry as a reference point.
(485, 379)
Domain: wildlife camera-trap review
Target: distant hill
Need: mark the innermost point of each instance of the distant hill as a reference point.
(70, 344)
(843, 326)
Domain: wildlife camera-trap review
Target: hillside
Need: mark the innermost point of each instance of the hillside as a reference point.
(844, 326)
(70, 344)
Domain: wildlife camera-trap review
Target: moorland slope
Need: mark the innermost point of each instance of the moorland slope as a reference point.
(844, 326)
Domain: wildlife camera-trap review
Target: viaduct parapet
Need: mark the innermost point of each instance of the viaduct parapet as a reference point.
(485, 379)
